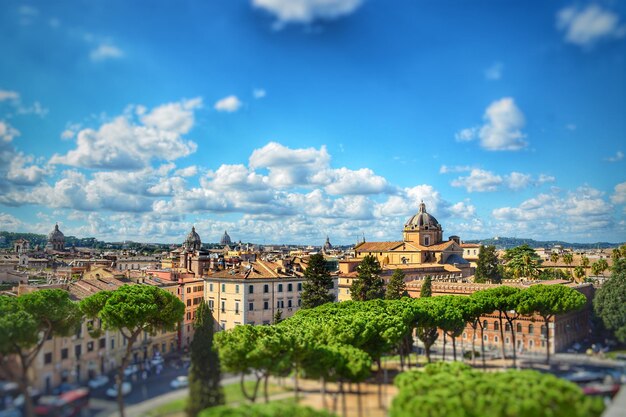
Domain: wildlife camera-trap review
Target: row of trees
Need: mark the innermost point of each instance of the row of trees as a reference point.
(340, 341)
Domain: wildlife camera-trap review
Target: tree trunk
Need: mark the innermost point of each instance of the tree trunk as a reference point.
(482, 346)
(474, 345)
(444, 347)
(409, 348)
(454, 347)
(29, 408)
(295, 383)
(120, 371)
(344, 406)
(547, 322)
(502, 337)
(267, 398)
(380, 385)
(359, 399)
(323, 392)
(427, 352)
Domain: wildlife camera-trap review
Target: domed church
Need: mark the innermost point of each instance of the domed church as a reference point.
(422, 251)
(56, 240)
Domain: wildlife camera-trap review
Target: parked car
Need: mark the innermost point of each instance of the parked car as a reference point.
(126, 389)
(63, 388)
(180, 382)
(98, 382)
(131, 369)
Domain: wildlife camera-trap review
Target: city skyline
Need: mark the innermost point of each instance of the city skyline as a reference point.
(290, 121)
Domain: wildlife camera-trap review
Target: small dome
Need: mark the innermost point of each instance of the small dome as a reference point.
(327, 245)
(225, 240)
(56, 235)
(421, 219)
(193, 241)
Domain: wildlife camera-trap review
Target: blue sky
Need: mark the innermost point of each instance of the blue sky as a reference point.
(290, 120)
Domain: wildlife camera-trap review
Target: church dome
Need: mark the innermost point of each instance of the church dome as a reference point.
(225, 240)
(56, 235)
(193, 241)
(421, 219)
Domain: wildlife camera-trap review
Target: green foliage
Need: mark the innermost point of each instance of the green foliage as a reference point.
(487, 265)
(427, 287)
(599, 266)
(522, 261)
(204, 375)
(610, 304)
(275, 409)
(317, 283)
(552, 273)
(550, 300)
(368, 285)
(396, 288)
(456, 390)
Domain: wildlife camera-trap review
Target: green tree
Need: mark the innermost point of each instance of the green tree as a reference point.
(204, 375)
(554, 257)
(427, 316)
(584, 262)
(599, 266)
(523, 262)
(317, 283)
(133, 310)
(615, 254)
(368, 285)
(396, 288)
(274, 409)
(278, 316)
(427, 287)
(568, 259)
(487, 265)
(610, 304)
(548, 301)
(579, 272)
(480, 304)
(455, 389)
(26, 322)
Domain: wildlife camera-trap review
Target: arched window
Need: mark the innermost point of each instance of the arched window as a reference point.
(519, 327)
(507, 327)
(531, 329)
(485, 324)
(543, 330)
(496, 326)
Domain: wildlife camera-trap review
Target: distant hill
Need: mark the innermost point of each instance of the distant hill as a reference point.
(511, 242)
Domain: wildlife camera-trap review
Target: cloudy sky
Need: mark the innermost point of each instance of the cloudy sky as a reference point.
(290, 120)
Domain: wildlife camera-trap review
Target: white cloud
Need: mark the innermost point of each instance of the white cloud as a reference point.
(466, 135)
(7, 132)
(9, 95)
(259, 93)
(10, 223)
(306, 11)
(189, 171)
(36, 108)
(23, 171)
(445, 169)
(494, 72)
(619, 194)
(228, 104)
(105, 51)
(344, 181)
(123, 143)
(619, 155)
(502, 130)
(479, 180)
(518, 181)
(585, 27)
(544, 178)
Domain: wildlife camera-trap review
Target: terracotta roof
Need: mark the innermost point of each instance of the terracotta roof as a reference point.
(377, 246)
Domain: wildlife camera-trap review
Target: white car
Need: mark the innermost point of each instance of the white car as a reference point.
(180, 382)
(157, 360)
(131, 369)
(98, 382)
(126, 389)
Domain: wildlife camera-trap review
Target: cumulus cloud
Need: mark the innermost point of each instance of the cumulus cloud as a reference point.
(105, 51)
(587, 26)
(228, 104)
(7, 132)
(480, 180)
(126, 143)
(307, 11)
(9, 95)
(10, 223)
(494, 72)
(502, 130)
(23, 171)
(619, 155)
(445, 169)
(619, 194)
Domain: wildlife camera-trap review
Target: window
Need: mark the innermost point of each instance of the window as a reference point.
(266, 305)
(280, 287)
(78, 349)
(188, 290)
(223, 325)
(280, 304)
(250, 289)
(485, 337)
(289, 287)
(506, 340)
(211, 304)
(90, 347)
(223, 287)
(266, 288)
(519, 328)
(299, 286)
(47, 358)
(223, 306)
(485, 324)
(211, 287)
(289, 303)
(543, 330)
(496, 325)
(236, 308)
(250, 306)
(64, 353)
(188, 302)
(188, 316)
(236, 289)
(495, 339)
(112, 344)
(531, 329)
(507, 327)
(426, 240)
(299, 302)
